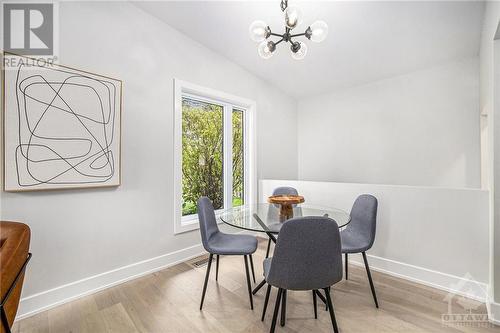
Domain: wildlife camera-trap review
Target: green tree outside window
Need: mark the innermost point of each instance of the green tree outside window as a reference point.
(203, 155)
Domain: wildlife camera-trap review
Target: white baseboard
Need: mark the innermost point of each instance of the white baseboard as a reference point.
(45, 300)
(494, 312)
(463, 286)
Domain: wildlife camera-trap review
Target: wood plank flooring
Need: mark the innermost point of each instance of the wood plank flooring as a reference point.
(168, 301)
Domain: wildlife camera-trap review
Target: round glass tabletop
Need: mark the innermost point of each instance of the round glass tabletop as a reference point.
(265, 217)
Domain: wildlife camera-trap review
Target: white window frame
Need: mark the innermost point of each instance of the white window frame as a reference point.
(228, 102)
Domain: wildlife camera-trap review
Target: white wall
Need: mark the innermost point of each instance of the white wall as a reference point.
(82, 233)
(489, 99)
(416, 129)
(432, 235)
(490, 25)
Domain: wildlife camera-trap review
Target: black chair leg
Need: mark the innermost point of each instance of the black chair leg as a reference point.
(332, 312)
(326, 303)
(268, 292)
(248, 282)
(268, 248)
(322, 298)
(251, 266)
(346, 267)
(372, 287)
(206, 280)
(276, 310)
(283, 308)
(260, 285)
(315, 303)
(217, 269)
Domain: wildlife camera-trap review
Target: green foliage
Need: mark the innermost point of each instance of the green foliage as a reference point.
(238, 158)
(188, 208)
(237, 202)
(202, 143)
(202, 155)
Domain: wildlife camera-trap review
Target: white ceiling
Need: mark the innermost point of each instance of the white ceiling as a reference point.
(367, 41)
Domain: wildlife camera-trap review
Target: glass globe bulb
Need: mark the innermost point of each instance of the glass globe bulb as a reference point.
(301, 52)
(259, 31)
(293, 17)
(319, 31)
(266, 49)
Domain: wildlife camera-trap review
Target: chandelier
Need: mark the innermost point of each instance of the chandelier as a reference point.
(261, 32)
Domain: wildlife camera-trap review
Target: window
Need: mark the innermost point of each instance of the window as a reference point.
(202, 153)
(238, 195)
(213, 151)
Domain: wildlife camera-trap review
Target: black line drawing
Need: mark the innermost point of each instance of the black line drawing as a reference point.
(67, 128)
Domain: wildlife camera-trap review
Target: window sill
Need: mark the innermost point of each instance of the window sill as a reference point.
(191, 222)
(187, 225)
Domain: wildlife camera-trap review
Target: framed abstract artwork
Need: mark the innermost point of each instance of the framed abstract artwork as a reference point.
(61, 127)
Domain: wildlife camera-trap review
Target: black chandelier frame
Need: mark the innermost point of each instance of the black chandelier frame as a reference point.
(287, 35)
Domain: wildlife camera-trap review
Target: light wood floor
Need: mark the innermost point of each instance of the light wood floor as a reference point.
(168, 301)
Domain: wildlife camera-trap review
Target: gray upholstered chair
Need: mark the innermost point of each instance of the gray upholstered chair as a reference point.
(218, 243)
(307, 256)
(359, 235)
(283, 190)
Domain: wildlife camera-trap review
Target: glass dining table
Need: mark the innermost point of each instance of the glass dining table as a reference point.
(266, 218)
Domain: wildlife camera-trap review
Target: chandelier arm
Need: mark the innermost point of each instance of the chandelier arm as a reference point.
(275, 34)
(276, 43)
(298, 35)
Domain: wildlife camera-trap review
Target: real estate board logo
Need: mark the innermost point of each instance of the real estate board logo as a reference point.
(464, 311)
(28, 28)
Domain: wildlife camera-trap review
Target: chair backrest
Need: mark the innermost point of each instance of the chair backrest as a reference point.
(285, 190)
(364, 219)
(273, 212)
(208, 222)
(307, 255)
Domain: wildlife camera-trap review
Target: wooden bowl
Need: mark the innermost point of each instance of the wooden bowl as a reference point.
(286, 203)
(286, 199)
